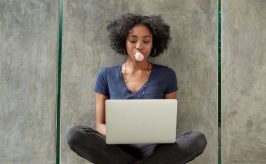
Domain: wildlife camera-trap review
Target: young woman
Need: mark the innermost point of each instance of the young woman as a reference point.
(139, 37)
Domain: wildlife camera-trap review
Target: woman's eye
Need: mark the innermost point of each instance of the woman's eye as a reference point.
(133, 41)
(146, 41)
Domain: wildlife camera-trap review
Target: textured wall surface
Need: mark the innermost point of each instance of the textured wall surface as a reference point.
(28, 55)
(243, 82)
(192, 54)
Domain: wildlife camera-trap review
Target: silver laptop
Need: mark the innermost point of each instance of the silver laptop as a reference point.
(141, 121)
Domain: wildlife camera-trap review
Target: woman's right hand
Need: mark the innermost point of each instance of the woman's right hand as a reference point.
(100, 113)
(101, 128)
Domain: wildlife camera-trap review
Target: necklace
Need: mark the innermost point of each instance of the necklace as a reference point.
(125, 73)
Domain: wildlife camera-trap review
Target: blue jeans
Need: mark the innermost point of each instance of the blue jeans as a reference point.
(91, 145)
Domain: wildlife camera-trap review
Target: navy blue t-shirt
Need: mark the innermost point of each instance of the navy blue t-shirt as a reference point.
(161, 81)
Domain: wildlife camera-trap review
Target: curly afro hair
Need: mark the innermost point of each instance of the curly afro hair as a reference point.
(119, 29)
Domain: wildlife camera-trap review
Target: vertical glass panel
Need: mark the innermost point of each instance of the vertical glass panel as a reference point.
(192, 53)
(28, 44)
(243, 82)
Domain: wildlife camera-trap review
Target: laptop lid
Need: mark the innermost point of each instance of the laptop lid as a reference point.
(141, 121)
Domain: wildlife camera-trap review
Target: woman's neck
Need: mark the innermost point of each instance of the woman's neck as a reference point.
(136, 66)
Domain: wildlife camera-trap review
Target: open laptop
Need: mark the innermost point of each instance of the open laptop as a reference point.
(141, 121)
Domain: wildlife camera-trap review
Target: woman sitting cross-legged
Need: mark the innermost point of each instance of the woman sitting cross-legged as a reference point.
(139, 37)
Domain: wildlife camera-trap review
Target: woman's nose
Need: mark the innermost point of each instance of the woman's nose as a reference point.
(139, 46)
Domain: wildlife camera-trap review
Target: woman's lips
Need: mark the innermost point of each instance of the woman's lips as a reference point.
(139, 56)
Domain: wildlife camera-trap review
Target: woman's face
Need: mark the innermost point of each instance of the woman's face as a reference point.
(139, 39)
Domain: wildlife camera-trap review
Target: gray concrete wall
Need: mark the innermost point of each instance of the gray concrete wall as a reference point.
(243, 82)
(28, 57)
(192, 54)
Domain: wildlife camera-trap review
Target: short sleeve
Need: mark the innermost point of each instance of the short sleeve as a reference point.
(172, 82)
(101, 85)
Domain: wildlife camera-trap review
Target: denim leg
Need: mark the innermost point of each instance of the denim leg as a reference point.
(188, 146)
(91, 145)
(139, 151)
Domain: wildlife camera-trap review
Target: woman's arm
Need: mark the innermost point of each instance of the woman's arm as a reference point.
(100, 113)
(171, 95)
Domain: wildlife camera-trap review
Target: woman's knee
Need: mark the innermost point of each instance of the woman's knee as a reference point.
(199, 141)
(75, 135)
(193, 142)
